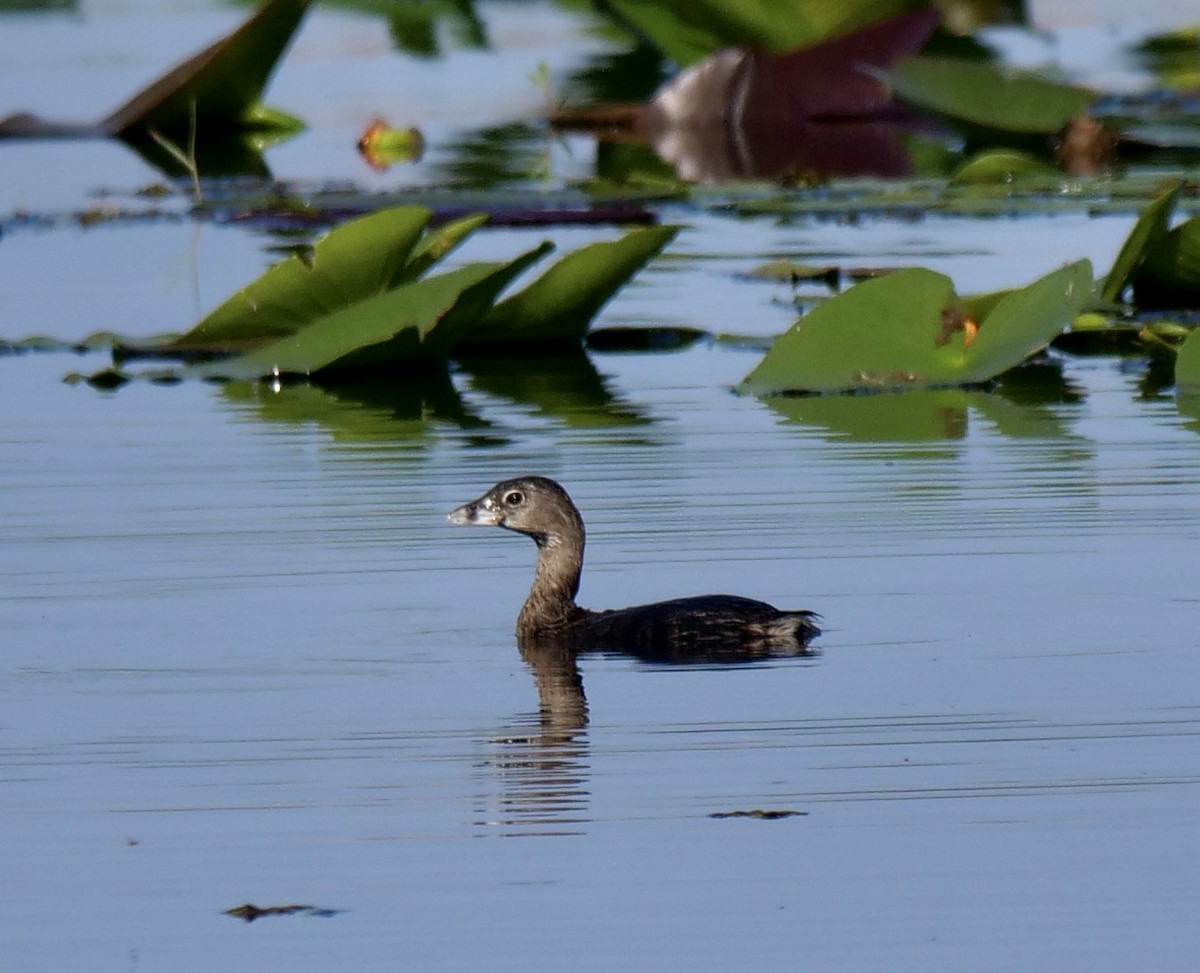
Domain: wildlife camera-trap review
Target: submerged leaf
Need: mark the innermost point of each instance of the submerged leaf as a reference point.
(350, 263)
(985, 96)
(1147, 232)
(909, 329)
(559, 306)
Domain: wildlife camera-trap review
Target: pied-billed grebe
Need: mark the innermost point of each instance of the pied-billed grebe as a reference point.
(540, 508)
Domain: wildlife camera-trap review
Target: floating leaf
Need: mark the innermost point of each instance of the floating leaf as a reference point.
(220, 87)
(1001, 167)
(871, 336)
(1148, 231)
(559, 306)
(350, 263)
(1174, 57)
(631, 339)
(1187, 366)
(909, 329)
(1169, 275)
(268, 125)
(436, 244)
(791, 272)
(749, 87)
(224, 82)
(420, 321)
(1026, 320)
(687, 30)
(986, 96)
(357, 299)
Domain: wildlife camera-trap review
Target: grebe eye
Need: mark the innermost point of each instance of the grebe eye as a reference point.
(514, 498)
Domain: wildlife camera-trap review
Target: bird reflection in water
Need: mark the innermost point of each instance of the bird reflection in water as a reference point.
(542, 759)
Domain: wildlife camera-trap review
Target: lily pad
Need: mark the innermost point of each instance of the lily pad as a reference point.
(560, 305)
(224, 82)
(435, 245)
(1187, 367)
(1147, 233)
(215, 92)
(1169, 275)
(350, 263)
(358, 297)
(910, 330)
(688, 30)
(984, 96)
(415, 322)
(1001, 167)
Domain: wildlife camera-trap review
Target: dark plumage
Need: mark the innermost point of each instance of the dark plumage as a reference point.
(717, 627)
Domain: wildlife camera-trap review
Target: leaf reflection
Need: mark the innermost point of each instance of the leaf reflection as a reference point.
(1019, 406)
(566, 387)
(375, 410)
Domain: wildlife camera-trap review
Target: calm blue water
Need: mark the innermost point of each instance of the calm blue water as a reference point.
(245, 659)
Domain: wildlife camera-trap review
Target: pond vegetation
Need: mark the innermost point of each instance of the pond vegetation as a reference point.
(363, 297)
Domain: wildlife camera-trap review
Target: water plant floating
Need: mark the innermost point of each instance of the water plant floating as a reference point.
(212, 96)
(359, 297)
(908, 329)
(688, 30)
(982, 97)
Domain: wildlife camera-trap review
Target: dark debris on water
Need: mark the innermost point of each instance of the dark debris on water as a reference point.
(249, 912)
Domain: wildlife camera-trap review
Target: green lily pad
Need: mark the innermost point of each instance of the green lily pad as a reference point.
(910, 330)
(221, 86)
(985, 96)
(436, 244)
(1187, 366)
(689, 30)
(415, 322)
(350, 263)
(1001, 167)
(358, 298)
(1169, 275)
(215, 93)
(560, 305)
(1148, 231)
